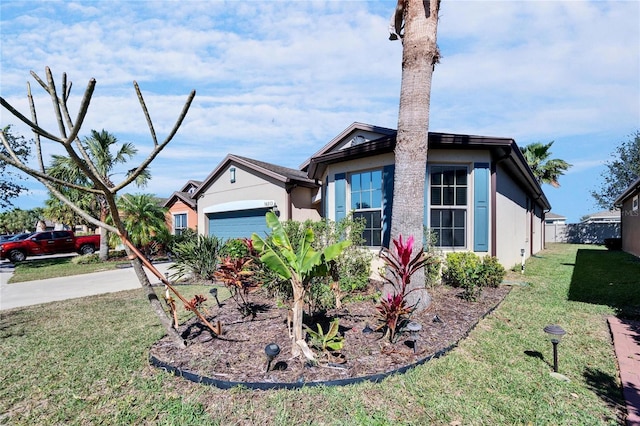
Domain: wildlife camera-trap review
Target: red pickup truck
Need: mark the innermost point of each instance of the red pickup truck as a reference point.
(49, 242)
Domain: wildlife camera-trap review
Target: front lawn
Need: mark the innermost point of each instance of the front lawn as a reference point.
(40, 269)
(85, 362)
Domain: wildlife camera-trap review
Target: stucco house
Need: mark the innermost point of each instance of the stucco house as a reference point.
(554, 219)
(604, 216)
(629, 204)
(480, 194)
(183, 210)
(233, 200)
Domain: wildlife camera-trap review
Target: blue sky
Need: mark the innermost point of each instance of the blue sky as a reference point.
(276, 80)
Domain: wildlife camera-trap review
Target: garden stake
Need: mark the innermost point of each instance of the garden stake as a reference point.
(154, 270)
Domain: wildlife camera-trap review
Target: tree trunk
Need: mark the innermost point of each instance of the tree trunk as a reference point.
(104, 244)
(155, 303)
(419, 56)
(298, 312)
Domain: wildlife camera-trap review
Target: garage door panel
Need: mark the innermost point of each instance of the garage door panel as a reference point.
(238, 224)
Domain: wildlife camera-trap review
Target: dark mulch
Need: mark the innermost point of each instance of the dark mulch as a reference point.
(238, 355)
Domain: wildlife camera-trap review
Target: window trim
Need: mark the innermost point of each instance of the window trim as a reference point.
(379, 209)
(186, 222)
(466, 207)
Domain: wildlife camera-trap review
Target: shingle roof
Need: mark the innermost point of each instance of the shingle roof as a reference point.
(287, 172)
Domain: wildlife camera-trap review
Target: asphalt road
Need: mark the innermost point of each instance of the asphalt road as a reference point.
(50, 290)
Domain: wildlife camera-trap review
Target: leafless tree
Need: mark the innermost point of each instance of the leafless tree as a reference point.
(68, 130)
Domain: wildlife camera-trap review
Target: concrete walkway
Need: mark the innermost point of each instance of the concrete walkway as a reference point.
(43, 291)
(626, 341)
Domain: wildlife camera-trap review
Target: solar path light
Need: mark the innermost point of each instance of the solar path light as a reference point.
(555, 333)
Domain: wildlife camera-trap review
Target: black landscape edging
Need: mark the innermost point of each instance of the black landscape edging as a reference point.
(375, 378)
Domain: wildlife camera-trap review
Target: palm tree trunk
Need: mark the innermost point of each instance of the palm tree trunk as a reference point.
(419, 56)
(298, 312)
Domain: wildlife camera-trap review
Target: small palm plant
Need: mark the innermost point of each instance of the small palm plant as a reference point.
(298, 266)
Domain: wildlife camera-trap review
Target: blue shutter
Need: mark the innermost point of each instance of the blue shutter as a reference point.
(325, 200)
(387, 202)
(425, 220)
(340, 186)
(481, 195)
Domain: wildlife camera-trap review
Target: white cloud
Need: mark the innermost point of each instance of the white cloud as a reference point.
(277, 80)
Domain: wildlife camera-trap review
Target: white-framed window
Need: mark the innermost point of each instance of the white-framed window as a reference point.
(448, 204)
(635, 202)
(365, 190)
(179, 223)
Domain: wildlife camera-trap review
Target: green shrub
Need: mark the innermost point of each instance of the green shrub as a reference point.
(86, 259)
(468, 271)
(491, 272)
(459, 266)
(235, 248)
(196, 257)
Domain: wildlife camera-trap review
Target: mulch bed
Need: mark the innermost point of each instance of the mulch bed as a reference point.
(238, 355)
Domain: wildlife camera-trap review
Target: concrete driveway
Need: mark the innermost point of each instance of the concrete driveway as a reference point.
(50, 290)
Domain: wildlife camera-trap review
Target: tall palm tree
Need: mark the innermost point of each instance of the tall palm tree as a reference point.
(143, 218)
(104, 152)
(544, 169)
(419, 56)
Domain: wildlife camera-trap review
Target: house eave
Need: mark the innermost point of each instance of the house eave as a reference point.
(633, 188)
(502, 149)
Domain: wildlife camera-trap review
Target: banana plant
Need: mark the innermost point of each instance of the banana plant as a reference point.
(298, 266)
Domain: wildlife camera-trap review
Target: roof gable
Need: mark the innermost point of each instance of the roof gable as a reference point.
(185, 197)
(353, 135)
(285, 175)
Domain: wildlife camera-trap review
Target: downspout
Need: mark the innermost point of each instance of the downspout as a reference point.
(289, 202)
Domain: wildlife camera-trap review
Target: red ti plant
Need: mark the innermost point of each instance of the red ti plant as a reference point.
(195, 303)
(237, 275)
(393, 309)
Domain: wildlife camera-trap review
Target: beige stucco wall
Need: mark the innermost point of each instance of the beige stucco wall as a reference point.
(247, 186)
(512, 221)
(630, 222)
(302, 207)
(250, 186)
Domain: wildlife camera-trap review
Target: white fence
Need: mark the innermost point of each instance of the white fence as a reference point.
(581, 233)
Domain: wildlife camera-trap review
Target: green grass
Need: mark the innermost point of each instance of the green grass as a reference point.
(40, 269)
(85, 362)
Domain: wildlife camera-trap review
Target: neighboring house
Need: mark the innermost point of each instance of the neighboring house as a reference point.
(605, 216)
(555, 228)
(183, 211)
(554, 219)
(480, 194)
(629, 204)
(233, 200)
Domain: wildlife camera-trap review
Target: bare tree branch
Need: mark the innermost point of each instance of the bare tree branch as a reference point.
(56, 104)
(160, 147)
(146, 113)
(34, 118)
(33, 126)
